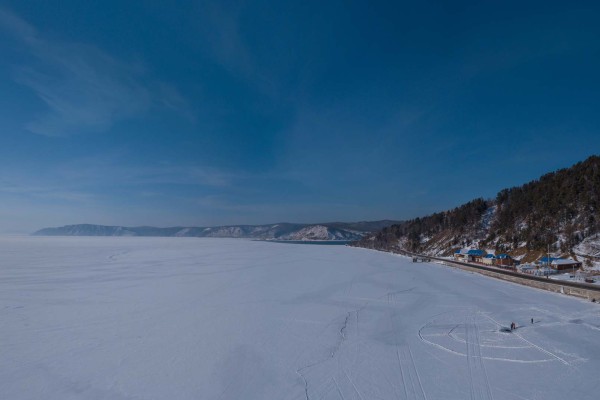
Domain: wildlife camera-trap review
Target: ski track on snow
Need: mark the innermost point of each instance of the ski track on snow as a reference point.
(478, 377)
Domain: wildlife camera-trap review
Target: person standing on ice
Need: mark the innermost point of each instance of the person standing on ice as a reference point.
(532, 320)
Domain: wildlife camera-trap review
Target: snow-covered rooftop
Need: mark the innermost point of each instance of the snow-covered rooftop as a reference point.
(562, 261)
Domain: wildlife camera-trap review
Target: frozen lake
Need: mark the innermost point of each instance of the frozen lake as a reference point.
(187, 318)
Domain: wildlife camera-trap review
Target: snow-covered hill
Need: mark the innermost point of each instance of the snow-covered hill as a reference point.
(281, 231)
(560, 210)
(321, 232)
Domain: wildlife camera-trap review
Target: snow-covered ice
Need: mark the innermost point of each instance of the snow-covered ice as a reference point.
(188, 318)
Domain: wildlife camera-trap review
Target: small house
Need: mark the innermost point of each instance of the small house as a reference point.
(469, 255)
(504, 260)
(544, 271)
(527, 269)
(547, 260)
(561, 264)
(458, 255)
(489, 259)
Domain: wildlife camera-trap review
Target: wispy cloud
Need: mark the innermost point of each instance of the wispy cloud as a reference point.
(113, 170)
(47, 192)
(223, 33)
(93, 180)
(222, 28)
(84, 88)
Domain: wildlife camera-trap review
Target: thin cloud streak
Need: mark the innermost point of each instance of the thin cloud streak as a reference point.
(85, 89)
(98, 171)
(50, 192)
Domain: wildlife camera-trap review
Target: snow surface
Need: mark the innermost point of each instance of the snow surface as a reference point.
(189, 318)
(320, 232)
(590, 247)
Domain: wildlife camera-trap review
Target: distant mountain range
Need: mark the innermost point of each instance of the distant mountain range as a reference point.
(561, 210)
(281, 231)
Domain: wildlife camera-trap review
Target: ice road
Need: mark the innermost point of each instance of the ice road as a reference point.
(188, 318)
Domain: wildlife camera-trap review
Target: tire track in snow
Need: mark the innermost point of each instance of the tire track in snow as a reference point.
(533, 344)
(353, 384)
(478, 378)
(412, 360)
(345, 345)
(426, 336)
(401, 373)
(411, 379)
(337, 386)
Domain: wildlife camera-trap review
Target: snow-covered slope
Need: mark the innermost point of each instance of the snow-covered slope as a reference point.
(589, 246)
(281, 231)
(440, 233)
(446, 241)
(87, 230)
(559, 211)
(320, 232)
(183, 318)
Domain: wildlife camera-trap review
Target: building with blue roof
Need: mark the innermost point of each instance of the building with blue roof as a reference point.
(548, 260)
(476, 252)
(504, 260)
(469, 255)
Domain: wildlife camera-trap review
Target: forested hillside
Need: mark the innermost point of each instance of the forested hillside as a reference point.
(561, 207)
(560, 210)
(436, 233)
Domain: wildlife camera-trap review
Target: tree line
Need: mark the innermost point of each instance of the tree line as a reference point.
(559, 209)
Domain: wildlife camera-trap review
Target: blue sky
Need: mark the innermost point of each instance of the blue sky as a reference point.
(228, 112)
